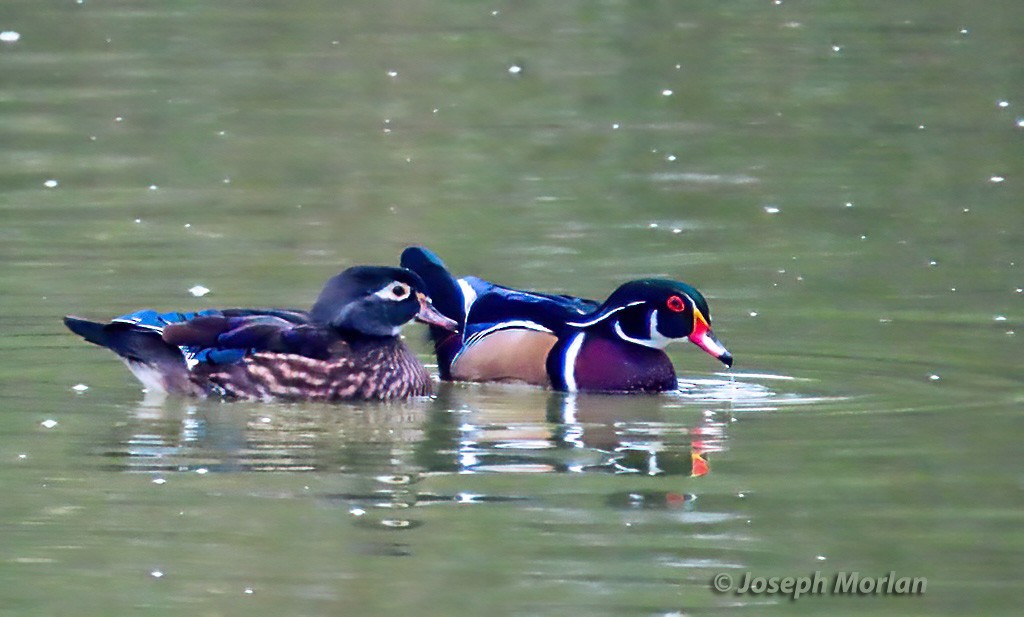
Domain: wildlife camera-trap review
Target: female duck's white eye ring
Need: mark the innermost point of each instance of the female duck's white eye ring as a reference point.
(395, 291)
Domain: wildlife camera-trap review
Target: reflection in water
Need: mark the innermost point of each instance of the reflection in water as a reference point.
(465, 429)
(386, 463)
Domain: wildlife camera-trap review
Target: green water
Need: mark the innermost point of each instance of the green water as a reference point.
(842, 179)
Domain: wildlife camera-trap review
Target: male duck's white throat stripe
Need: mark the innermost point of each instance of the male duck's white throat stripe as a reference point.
(572, 352)
(655, 340)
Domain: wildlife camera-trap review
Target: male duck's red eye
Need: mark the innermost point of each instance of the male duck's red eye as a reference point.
(676, 304)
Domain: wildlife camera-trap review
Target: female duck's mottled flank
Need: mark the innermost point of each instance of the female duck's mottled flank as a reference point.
(567, 343)
(347, 347)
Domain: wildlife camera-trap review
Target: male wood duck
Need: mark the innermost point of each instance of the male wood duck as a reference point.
(347, 347)
(564, 342)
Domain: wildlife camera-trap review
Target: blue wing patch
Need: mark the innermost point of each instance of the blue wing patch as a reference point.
(226, 336)
(148, 319)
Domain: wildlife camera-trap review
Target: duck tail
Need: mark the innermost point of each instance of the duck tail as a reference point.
(446, 293)
(91, 331)
(158, 365)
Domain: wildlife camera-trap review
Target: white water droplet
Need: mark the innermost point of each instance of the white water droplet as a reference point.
(48, 423)
(198, 291)
(10, 36)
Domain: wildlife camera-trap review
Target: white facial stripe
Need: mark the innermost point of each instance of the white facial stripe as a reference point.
(658, 340)
(655, 340)
(603, 316)
(572, 352)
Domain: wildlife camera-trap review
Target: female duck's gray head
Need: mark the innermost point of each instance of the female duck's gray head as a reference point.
(375, 301)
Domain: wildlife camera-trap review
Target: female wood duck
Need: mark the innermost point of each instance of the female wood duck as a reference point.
(568, 343)
(345, 348)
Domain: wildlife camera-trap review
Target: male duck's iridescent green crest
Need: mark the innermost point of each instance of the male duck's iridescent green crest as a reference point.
(345, 348)
(656, 312)
(564, 342)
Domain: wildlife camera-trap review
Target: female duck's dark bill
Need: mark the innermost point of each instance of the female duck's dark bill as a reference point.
(430, 315)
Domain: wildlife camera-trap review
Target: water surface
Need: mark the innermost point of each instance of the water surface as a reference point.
(842, 181)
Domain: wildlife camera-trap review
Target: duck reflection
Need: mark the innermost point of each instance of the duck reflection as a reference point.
(373, 462)
(465, 429)
(589, 433)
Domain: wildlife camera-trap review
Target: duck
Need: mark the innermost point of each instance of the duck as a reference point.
(564, 342)
(347, 347)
